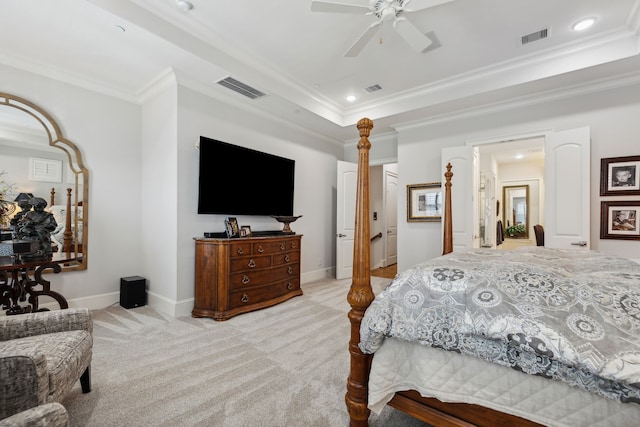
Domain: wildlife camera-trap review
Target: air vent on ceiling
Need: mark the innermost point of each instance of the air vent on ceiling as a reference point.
(241, 88)
(373, 88)
(533, 37)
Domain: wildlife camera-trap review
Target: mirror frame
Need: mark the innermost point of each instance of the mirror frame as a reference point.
(506, 205)
(77, 167)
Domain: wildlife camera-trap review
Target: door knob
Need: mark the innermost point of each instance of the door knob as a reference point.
(342, 235)
(580, 243)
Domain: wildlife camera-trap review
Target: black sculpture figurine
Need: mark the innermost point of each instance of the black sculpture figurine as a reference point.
(24, 202)
(37, 225)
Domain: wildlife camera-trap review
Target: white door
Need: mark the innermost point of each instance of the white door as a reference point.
(567, 177)
(462, 160)
(345, 218)
(391, 217)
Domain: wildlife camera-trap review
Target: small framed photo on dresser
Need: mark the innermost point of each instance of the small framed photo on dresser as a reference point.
(231, 227)
(245, 231)
(620, 176)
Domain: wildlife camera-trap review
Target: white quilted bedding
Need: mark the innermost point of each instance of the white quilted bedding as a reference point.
(452, 377)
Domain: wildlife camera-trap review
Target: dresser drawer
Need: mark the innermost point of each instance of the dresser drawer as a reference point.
(249, 279)
(286, 258)
(263, 293)
(250, 263)
(272, 247)
(242, 248)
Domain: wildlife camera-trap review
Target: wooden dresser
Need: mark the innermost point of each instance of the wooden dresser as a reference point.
(234, 276)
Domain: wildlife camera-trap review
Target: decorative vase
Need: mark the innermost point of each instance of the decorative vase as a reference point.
(286, 220)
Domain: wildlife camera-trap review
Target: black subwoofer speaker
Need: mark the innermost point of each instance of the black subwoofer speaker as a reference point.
(133, 291)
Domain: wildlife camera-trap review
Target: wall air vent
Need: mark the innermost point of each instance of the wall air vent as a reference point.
(241, 88)
(533, 37)
(373, 88)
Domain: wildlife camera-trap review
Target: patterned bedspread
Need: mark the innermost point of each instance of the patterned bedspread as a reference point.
(572, 316)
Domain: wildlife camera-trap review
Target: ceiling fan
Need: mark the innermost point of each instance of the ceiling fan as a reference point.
(384, 11)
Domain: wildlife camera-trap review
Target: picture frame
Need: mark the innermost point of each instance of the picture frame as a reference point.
(619, 220)
(231, 227)
(424, 202)
(245, 231)
(620, 176)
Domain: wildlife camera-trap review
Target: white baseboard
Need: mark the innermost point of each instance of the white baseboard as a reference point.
(312, 276)
(163, 304)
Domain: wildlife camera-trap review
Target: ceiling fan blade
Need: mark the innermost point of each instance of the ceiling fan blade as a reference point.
(329, 6)
(362, 41)
(411, 34)
(422, 4)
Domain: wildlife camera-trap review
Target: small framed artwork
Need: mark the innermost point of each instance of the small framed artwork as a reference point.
(424, 202)
(620, 176)
(619, 220)
(231, 227)
(245, 231)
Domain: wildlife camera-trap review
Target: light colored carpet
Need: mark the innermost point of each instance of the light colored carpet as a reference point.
(286, 365)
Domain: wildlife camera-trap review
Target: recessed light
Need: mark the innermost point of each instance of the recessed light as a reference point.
(519, 156)
(583, 24)
(184, 5)
(350, 98)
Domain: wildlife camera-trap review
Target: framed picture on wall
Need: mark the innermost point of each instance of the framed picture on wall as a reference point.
(619, 220)
(424, 202)
(620, 176)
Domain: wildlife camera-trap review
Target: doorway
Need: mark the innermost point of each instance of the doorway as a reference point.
(383, 199)
(511, 192)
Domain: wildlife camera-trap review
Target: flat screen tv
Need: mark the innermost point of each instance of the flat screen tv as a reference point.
(237, 180)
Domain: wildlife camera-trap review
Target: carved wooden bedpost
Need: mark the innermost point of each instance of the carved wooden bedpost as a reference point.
(447, 241)
(360, 294)
(68, 235)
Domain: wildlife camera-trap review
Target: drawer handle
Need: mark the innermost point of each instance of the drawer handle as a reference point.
(286, 258)
(240, 251)
(245, 298)
(289, 286)
(290, 270)
(245, 279)
(293, 245)
(252, 263)
(260, 248)
(282, 247)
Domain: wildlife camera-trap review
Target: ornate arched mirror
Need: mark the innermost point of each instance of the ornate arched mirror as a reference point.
(38, 160)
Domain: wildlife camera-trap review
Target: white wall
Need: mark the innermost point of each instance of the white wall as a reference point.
(159, 196)
(315, 182)
(143, 169)
(612, 116)
(107, 132)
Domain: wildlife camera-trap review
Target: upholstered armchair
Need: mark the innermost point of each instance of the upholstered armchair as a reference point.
(47, 415)
(42, 355)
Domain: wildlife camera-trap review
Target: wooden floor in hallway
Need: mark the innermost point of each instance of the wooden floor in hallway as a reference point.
(388, 272)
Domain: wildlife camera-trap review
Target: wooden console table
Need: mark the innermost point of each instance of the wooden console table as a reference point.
(239, 275)
(22, 281)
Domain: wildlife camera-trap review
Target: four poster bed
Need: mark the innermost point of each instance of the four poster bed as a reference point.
(68, 216)
(530, 337)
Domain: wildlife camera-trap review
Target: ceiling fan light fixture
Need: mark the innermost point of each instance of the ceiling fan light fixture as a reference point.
(583, 24)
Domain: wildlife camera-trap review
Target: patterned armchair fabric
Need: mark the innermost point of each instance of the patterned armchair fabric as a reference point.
(47, 415)
(42, 355)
